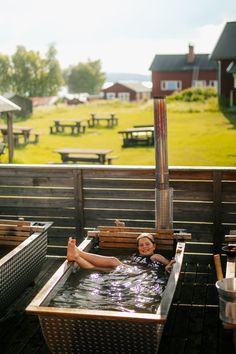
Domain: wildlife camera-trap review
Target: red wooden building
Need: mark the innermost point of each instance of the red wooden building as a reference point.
(176, 72)
(134, 91)
(225, 54)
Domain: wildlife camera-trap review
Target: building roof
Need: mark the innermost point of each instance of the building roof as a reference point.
(6, 105)
(10, 95)
(178, 62)
(44, 101)
(135, 86)
(225, 47)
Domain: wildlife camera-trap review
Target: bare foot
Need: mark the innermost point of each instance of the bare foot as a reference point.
(72, 252)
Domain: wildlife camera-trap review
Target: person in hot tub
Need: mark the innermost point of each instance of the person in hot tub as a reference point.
(145, 256)
(145, 253)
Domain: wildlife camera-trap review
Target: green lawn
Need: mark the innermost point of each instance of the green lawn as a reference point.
(198, 134)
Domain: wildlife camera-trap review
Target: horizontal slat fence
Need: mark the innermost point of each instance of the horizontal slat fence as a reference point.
(78, 198)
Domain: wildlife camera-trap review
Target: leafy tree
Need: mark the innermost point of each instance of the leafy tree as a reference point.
(53, 78)
(85, 77)
(26, 71)
(35, 76)
(5, 73)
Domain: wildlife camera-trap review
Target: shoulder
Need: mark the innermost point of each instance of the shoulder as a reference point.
(159, 258)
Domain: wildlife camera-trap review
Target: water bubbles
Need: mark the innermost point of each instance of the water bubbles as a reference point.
(126, 289)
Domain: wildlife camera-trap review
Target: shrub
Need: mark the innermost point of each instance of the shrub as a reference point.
(196, 94)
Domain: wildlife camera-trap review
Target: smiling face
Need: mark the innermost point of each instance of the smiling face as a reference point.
(146, 247)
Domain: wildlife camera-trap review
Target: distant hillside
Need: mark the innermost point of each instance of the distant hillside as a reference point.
(114, 77)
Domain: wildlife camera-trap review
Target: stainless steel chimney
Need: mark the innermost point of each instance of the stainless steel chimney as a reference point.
(164, 194)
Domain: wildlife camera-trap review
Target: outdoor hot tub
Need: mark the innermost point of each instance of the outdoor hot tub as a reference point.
(80, 330)
(23, 248)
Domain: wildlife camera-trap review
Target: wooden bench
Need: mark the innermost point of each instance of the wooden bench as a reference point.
(138, 136)
(13, 232)
(36, 138)
(83, 128)
(16, 138)
(82, 158)
(52, 129)
(141, 138)
(95, 121)
(88, 158)
(110, 158)
(75, 126)
(125, 237)
(143, 126)
(18, 134)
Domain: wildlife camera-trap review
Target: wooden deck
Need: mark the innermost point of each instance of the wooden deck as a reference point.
(80, 198)
(193, 325)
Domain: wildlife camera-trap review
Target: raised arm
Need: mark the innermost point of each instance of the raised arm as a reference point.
(168, 264)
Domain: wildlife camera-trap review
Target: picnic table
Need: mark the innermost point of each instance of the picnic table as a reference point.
(19, 132)
(138, 136)
(110, 119)
(85, 155)
(76, 126)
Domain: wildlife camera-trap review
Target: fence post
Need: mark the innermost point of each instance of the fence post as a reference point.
(79, 204)
(218, 236)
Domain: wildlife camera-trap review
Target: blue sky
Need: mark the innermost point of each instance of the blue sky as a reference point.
(125, 35)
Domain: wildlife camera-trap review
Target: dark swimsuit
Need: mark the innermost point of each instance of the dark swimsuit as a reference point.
(146, 261)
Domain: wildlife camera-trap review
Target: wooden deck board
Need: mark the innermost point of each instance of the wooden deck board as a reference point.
(193, 325)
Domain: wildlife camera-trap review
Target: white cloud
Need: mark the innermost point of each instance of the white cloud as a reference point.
(125, 35)
(125, 54)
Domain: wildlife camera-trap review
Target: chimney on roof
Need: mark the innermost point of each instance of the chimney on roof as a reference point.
(191, 54)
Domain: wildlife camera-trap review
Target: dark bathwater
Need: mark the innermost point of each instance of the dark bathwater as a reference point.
(132, 289)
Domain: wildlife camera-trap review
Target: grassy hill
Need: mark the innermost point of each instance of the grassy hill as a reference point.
(198, 134)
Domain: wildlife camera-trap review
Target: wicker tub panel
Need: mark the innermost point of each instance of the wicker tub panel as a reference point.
(83, 336)
(21, 269)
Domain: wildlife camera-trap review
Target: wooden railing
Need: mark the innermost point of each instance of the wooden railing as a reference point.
(79, 198)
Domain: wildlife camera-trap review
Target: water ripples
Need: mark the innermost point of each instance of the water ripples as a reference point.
(129, 289)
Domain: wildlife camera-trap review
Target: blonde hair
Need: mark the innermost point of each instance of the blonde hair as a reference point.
(145, 235)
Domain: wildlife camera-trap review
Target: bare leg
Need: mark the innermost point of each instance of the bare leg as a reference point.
(100, 261)
(89, 259)
(73, 255)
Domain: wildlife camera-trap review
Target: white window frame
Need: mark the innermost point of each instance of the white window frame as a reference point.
(199, 83)
(111, 95)
(124, 96)
(213, 83)
(171, 85)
